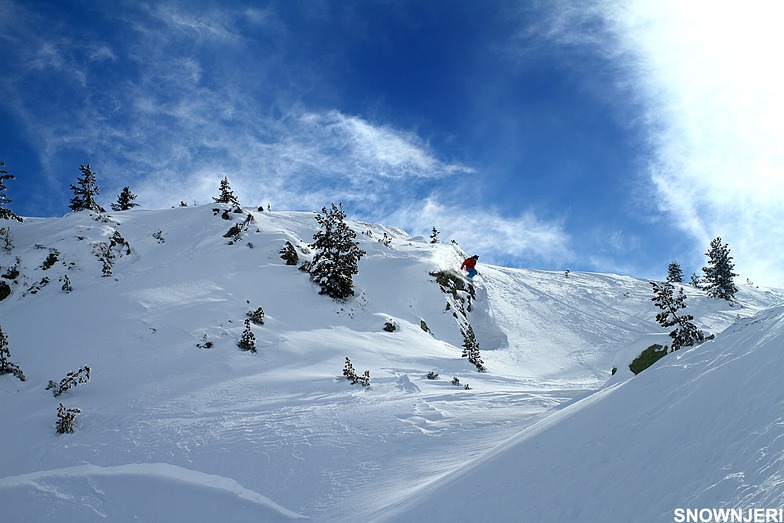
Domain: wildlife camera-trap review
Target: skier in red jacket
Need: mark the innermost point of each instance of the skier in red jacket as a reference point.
(470, 266)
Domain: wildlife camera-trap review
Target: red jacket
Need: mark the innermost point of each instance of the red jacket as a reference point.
(469, 264)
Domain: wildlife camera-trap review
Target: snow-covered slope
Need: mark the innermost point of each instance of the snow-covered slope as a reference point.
(172, 431)
(700, 430)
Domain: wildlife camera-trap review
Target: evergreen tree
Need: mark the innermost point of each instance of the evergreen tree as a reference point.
(674, 272)
(337, 254)
(471, 349)
(248, 340)
(226, 194)
(65, 419)
(85, 191)
(718, 280)
(6, 367)
(5, 212)
(696, 282)
(125, 200)
(434, 235)
(686, 333)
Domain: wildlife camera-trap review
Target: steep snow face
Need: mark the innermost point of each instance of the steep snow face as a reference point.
(280, 432)
(701, 429)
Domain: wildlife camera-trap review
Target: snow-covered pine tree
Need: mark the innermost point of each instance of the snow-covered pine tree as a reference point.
(85, 191)
(226, 194)
(257, 316)
(434, 236)
(6, 367)
(248, 340)
(718, 280)
(337, 254)
(72, 379)
(471, 349)
(289, 254)
(685, 333)
(5, 212)
(351, 374)
(65, 419)
(674, 272)
(348, 370)
(125, 200)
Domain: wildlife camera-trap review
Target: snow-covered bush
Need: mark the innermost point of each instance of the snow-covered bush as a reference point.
(236, 230)
(205, 343)
(471, 349)
(13, 272)
(248, 340)
(50, 260)
(6, 367)
(66, 284)
(5, 290)
(351, 375)
(66, 418)
(7, 239)
(390, 326)
(257, 316)
(72, 379)
(289, 254)
(432, 375)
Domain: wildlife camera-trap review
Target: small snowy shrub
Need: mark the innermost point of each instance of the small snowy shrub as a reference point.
(13, 272)
(5, 290)
(351, 375)
(432, 375)
(65, 419)
(6, 367)
(424, 327)
(6, 238)
(205, 343)
(289, 254)
(72, 379)
(234, 232)
(66, 283)
(248, 340)
(257, 316)
(455, 381)
(390, 326)
(51, 259)
(37, 286)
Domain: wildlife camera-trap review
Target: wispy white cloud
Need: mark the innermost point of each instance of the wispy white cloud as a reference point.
(497, 238)
(705, 77)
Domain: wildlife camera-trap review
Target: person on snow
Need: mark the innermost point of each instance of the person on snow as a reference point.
(470, 266)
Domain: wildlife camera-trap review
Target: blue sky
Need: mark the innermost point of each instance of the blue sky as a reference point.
(598, 136)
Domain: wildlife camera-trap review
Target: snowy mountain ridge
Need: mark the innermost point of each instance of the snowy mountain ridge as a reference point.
(172, 430)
